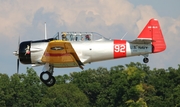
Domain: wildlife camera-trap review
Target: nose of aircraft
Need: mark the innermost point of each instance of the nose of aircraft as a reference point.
(24, 53)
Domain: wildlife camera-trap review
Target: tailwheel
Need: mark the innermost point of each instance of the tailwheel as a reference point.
(45, 76)
(145, 60)
(51, 82)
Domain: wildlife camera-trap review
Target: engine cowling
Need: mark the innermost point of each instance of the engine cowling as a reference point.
(24, 52)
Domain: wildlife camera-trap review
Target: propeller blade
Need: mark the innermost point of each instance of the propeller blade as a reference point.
(18, 41)
(17, 66)
(18, 46)
(17, 53)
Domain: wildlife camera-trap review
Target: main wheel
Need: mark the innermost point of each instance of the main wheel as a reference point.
(145, 60)
(51, 82)
(45, 76)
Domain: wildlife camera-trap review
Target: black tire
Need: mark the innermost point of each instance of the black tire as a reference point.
(45, 73)
(51, 82)
(145, 60)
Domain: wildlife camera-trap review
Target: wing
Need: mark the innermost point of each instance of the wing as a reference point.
(142, 41)
(61, 54)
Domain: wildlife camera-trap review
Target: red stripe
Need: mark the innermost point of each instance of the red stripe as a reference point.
(119, 48)
(56, 54)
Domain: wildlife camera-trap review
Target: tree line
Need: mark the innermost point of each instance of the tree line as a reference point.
(131, 85)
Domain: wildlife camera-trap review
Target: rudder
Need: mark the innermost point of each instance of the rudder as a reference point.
(153, 31)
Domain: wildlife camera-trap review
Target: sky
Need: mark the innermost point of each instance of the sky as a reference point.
(111, 18)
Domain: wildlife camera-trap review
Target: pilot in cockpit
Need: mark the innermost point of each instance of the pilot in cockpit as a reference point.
(88, 37)
(64, 37)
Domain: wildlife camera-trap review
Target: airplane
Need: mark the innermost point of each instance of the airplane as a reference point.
(75, 49)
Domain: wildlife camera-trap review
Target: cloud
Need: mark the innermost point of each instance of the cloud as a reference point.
(15, 15)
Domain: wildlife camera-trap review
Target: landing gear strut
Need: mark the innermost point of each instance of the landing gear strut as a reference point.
(47, 77)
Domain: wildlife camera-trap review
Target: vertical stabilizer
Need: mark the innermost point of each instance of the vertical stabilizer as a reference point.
(153, 31)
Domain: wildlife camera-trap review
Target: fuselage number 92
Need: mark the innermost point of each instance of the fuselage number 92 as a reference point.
(119, 48)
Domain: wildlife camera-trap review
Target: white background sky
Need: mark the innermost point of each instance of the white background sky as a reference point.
(111, 18)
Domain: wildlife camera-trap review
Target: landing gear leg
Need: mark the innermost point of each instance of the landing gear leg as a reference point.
(47, 76)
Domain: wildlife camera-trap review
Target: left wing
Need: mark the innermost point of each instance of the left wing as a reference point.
(61, 54)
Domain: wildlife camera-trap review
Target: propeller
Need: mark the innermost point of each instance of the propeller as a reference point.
(18, 66)
(16, 53)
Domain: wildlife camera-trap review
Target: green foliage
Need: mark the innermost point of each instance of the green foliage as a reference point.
(91, 82)
(132, 85)
(65, 95)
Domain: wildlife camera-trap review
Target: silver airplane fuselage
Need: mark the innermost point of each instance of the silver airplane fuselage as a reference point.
(93, 51)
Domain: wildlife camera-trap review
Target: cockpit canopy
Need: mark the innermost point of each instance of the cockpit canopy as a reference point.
(79, 36)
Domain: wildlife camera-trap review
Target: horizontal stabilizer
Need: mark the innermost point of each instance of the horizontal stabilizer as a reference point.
(142, 41)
